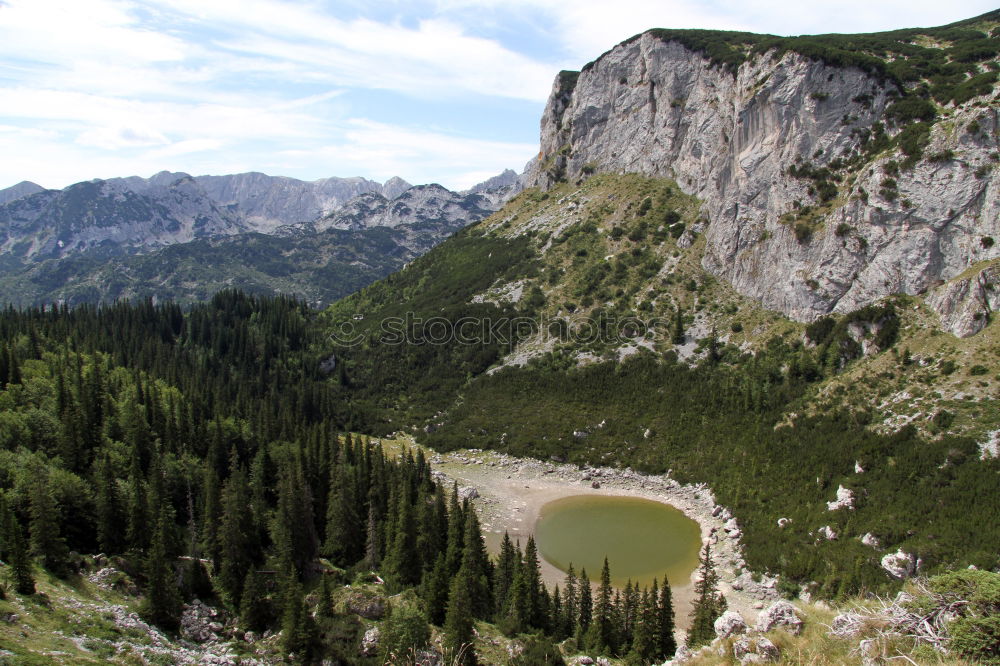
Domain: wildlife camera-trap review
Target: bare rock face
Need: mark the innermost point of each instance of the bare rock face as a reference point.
(966, 303)
(729, 137)
(780, 614)
(845, 500)
(729, 624)
(900, 564)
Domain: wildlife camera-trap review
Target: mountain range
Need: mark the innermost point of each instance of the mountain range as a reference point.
(174, 236)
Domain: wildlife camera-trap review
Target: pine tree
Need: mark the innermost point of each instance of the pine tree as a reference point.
(162, 605)
(344, 535)
(402, 563)
(644, 643)
(586, 606)
(254, 610)
(535, 610)
(603, 622)
(299, 633)
(709, 603)
(372, 558)
(476, 568)
(507, 563)
(666, 643)
(458, 625)
(235, 537)
(137, 518)
(47, 543)
(570, 612)
(324, 607)
(434, 590)
(108, 508)
(20, 562)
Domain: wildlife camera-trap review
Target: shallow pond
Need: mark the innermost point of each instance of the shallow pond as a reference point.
(642, 539)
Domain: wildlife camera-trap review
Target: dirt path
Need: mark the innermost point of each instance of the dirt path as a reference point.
(511, 492)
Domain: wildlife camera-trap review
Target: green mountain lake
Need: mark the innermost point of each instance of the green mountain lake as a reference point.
(642, 539)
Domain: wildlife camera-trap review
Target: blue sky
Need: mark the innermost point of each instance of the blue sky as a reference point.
(447, 91)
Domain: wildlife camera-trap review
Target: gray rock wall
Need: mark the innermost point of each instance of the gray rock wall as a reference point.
(656, 108)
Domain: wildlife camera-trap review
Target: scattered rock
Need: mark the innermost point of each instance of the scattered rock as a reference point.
(870, 540)
(899, 564)
(369, 643)
(729, 624)
(858, 469)
(845, 500)
(200, 622)
(467, 493)
(784, 522)
(827, 533)
(584, 661)
(780, 614)
(595, 484)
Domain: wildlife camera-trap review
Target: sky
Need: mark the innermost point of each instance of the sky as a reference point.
(445, 91)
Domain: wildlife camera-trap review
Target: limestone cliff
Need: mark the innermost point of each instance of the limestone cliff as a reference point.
(811, 204)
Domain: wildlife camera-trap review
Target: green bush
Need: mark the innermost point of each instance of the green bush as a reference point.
(975, 596)
(404, 631)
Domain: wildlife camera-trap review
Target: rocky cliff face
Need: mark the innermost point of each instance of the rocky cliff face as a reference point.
(731, 135)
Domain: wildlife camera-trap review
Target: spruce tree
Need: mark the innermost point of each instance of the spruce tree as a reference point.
(162, 605)
(586, 606)
(666, 643)
(507, 563)
(535, 608)
(299, 633)
(372, 551)
(402, 563)
(570, 612)
(603, 632)
(644, 639)
(255, 612)
(108, 508)
(324, 606)
(476, 568)
(434, 590)
(235, 538)
(709, 603)
(20, 562)
(47, 543)
(458, 625)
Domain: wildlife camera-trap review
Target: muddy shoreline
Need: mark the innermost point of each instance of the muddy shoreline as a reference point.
(510, 492)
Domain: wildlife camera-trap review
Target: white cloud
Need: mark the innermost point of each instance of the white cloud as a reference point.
(587, 28)
(385, 150)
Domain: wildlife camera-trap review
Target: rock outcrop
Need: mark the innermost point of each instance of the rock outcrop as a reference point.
(730, 135)
(780, 614)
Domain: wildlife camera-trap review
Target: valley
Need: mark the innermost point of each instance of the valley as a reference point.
(734, 324)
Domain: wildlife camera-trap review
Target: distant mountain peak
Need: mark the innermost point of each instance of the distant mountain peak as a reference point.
(22, 189)
(394, 187)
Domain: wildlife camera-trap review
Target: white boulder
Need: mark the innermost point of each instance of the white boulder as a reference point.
(729, 624)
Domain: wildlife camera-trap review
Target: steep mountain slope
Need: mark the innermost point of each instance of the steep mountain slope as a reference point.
(835, 170)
